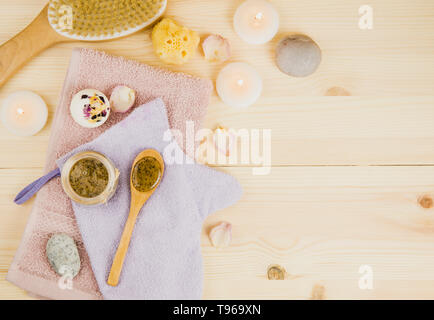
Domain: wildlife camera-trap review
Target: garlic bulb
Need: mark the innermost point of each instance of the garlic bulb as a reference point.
(122, 98)
(221, 235)
(216, 48)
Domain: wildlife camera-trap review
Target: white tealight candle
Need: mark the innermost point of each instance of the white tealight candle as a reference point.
(24, 113)
(256, 21)
(239, 85)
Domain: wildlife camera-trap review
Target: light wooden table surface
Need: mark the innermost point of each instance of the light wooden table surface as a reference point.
(348, 173)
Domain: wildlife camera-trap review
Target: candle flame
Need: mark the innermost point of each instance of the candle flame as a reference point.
(20, 111)
(240, 82)
(259, 16)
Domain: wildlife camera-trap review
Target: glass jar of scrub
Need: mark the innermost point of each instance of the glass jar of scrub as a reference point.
(89, 178)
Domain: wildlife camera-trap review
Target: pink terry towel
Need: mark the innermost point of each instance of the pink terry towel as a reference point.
(186, 98)
(164, 260)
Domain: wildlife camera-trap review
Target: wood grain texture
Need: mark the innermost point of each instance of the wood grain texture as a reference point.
(305, 131)
(352, 177)
(320, 223)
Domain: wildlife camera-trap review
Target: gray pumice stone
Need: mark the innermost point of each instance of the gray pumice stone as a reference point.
(298, 55)
(62, 254)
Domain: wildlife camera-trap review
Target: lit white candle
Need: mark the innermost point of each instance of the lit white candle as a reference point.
(256, 21)
(24, 113)
(239, 85)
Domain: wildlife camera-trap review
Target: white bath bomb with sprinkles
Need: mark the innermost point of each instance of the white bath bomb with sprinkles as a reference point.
(90, 108)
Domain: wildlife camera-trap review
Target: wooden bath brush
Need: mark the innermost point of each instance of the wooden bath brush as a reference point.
(72, 20)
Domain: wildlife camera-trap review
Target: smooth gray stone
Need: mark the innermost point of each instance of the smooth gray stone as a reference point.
(62, 254)
(298, 55)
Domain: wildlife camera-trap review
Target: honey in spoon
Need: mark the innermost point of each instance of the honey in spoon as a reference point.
(146, 174)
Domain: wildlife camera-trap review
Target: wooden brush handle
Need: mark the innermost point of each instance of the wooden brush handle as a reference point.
(36, 37)
(121, 252)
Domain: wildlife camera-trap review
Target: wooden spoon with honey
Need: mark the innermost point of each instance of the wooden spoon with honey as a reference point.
(146, 174)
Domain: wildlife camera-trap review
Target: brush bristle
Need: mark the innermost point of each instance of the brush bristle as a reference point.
(102, 19)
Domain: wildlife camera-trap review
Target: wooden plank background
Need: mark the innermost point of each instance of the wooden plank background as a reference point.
(348, 173)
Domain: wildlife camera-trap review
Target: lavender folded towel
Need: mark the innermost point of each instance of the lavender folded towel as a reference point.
(164, 258)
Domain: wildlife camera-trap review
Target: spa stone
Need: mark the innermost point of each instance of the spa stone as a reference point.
(62, 254)
(298, 55)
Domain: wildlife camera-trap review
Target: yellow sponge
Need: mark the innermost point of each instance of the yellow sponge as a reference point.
(174, 43)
